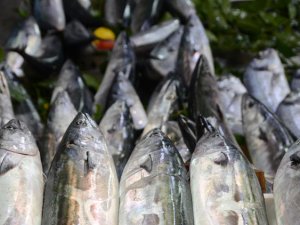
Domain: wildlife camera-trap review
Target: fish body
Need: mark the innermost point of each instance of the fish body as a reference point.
(117, 128)
(265, 79)
(113, 11)
(266, 137)
(82, 184)
(75, 34)
(6, 108)
(225, 189)
(181, 8)
(21, 180)
(295, 83)
(154, 187)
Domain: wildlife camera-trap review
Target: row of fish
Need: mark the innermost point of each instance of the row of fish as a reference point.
(140, 166)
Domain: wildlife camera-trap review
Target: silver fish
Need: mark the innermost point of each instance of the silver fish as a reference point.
(181, 8)
(82, 184)
(113, 11)
(266, 137)
(21, 180)
(231, 90)
(124, 90)
(6, 108)
(50, 14)
(61, 114)
(164, 56)
(265, 79)
(163, 105)
(154, 187)
(70, 80)
(225, 189)
(146, 40)
(194, 43)
(117, 127)
(76, 35)
(122, 55)
(172, 130)
(295, 83)
(286, 191)
(289, 112)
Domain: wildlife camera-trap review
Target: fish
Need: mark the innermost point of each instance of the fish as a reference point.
(154, 187)
(194, 44)
(23, 105)
(82, 184)
(76, 35)
(288, 112)
(21, 180)
(266, 137)
(265, 79)
(163, 58)
(61, 114)
(118, 130)
(122, 56)
(295, 83)
(49, 14)
(144, 13)
(183, 9)
(146, 40)
(6, 108)
(188, 130)
(162, 105)
(173, 132)
(224, 186)
(231, 91)
(123, 89)
(114, 11)
(286, 193)
(70, 80)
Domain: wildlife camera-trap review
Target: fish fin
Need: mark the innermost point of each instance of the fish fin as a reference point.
(147, 164)
(187, 128)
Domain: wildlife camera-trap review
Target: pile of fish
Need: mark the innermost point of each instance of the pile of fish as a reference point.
(164, 152)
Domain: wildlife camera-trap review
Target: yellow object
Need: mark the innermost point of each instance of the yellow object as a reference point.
(104, 33)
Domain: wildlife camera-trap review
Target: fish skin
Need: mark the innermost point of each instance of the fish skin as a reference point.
(265, 79)
(50, 14)
(21, 180)
(154, 186)
(61, 114)
(122, 55)
(194, 44)
(295, 83)
(148, 39)
(225, 189)
(172, 130)
(113, 11)
(82, 184)
(76, 35)
(117, 128)
(181, 8)
(122, 89)
(286, 193)
(162, 105)
(164, 56)
(289, 112)
(70, 80)
(231, 90)
(266, 137)
(6, 108)
(24, 109)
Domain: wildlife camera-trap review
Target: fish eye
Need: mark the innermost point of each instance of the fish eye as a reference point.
(80, 122)
(250, 104)
(10, 127)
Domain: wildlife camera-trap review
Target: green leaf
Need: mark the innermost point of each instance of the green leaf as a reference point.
(91, 81)
(2, 54)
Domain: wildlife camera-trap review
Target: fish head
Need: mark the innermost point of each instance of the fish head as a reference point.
(16, 137)
(251, 109)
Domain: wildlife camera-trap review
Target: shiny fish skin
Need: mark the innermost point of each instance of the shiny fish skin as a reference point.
(121, 56)
(113, 11)
(181, 8)
(194, 43)
(61, 114)
(21, 180)
(286, 191)
(163, 105)
(117, 128)
(265, 79)
(82, 185)
(231, 91)
(50, 14)
(146, 40)
(224, 186)
(70, 80)
(165, 55)
(295, 83)
(124, 90)
(266, 137)
(154, 188)
(289, 112)
(6, 108)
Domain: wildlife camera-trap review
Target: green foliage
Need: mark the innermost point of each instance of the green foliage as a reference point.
(2, 54)
(248, 26)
